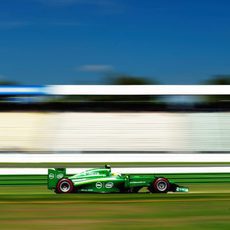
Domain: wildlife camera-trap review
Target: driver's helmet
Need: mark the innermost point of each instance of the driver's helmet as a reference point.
(107, 166)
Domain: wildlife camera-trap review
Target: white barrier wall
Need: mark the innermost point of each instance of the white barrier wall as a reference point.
(115, 131)
(143, 131)
(120, 131)
(22, 131)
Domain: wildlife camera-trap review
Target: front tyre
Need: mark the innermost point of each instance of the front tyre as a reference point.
(159, 185)
(64, 186)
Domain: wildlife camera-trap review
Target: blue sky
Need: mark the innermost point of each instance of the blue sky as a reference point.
(79, 41)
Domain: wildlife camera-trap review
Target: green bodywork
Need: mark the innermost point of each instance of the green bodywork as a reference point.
(102, 180)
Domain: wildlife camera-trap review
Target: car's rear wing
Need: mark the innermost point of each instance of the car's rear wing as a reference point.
(54, 175)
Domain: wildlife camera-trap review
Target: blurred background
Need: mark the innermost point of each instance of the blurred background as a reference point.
(76, 123)
(114, 42)
(82, 41)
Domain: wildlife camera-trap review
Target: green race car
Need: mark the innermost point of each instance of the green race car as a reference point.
(102, 180)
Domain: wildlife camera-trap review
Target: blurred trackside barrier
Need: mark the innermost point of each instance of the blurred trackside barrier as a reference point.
(177, 178)
(118, 158)
(144, 131)
(115, 90)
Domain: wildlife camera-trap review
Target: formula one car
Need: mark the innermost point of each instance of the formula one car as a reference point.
(102, 180)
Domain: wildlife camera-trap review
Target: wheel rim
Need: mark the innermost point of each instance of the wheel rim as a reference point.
(162, 186)
(65, 186)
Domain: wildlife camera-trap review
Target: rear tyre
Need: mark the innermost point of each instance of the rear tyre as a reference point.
(64, 186)
(159, 185)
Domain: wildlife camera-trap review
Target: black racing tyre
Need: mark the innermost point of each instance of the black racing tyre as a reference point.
(64, 186)
(160, 185)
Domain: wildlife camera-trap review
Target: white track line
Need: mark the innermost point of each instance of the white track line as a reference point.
(157, 170)
(111, 158)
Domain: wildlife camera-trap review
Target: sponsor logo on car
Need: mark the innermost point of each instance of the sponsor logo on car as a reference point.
(59, 176)
(137, 182)
(86, 190)
(90, 174)
(109, 185)
(51, 176)
(99, 185)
